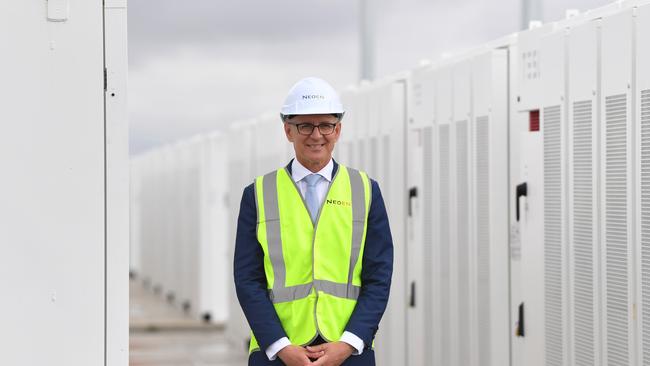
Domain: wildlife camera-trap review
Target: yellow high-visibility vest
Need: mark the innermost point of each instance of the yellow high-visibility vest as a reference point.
(313, 269)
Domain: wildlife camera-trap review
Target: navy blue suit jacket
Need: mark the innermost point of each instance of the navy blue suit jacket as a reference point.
(251, 285)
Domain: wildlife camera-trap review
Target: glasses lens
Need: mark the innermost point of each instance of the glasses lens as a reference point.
(326, 128)
(305, 128)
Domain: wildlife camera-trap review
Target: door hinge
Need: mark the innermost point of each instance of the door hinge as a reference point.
(105, 80)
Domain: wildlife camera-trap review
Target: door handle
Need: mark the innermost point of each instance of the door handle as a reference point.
(413, 192)
(519, 329)
(522, 190)
(412, 297)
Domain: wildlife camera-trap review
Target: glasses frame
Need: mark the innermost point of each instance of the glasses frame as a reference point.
(313, 127)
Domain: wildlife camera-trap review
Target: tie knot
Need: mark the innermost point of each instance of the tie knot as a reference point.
(312, 179)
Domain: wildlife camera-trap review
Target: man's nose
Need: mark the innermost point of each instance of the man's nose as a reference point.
(315, 133)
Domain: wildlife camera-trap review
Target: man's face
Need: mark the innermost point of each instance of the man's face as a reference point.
(313, 151)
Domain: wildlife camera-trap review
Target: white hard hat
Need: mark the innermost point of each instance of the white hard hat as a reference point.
(312, 96)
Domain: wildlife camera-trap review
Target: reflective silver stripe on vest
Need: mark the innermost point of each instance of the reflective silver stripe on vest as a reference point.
(344, 290)
(358, 223)
(290, 293)
(273, 237)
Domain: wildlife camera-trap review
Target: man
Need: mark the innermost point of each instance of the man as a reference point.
(313, 253)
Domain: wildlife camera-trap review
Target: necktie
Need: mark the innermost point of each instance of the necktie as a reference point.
(311, 197)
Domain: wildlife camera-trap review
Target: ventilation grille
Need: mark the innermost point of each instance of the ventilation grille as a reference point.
(553, 235)
(616, 230)
(645, 221)
(362, 154)
(483, 237)
(583, 265)
(444, 242)
(427, 230)
(462, 204)
(373, 157)
(386, 157)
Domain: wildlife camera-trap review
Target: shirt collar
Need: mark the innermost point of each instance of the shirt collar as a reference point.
(298, 171)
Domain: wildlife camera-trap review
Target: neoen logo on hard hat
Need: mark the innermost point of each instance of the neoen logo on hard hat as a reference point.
(313, 96)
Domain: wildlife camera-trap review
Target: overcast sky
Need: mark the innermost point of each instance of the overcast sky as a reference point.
(199, 65)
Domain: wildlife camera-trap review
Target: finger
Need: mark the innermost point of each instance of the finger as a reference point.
(318, 354)
(317, 348)
(321, 361)
(306, 361)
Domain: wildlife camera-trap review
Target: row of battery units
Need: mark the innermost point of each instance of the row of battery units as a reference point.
(446, 141)
(553, 127)
(184, 204)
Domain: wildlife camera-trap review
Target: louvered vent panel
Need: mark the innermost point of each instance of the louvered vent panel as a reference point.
(352, 156)
(444, 242)
(386, 158)
(616, 244)
(483, 237)
(462, 211)
(645, 221)
(427, 229)
(583, 244)
(553, 322)
(373, 157)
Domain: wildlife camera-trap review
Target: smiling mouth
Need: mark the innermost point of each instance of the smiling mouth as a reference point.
(315, 146)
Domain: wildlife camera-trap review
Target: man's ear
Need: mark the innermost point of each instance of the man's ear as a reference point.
(337, 131)
(287, 131)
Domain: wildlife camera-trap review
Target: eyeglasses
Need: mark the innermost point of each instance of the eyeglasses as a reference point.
(307, 128)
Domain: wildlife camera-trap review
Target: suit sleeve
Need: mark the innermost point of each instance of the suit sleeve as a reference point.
(250, 280)
(376, 272)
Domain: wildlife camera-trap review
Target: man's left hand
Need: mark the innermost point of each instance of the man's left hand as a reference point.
(330, 354)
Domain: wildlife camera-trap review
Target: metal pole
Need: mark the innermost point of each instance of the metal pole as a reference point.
(530, 10)
(367, 42)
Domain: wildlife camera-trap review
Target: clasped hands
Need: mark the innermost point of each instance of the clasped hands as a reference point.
(326, 354)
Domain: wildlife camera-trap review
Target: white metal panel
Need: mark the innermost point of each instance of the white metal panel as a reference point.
(481, 307)
(176, 261)
(189, 224)
(616, 221)
(421, 97)
(553, 128)
(517, 130)
(117, 183)
(352, 128)
(530, 67)
(489, 314)
(461, 227)
(52, 225)
(135, 215)
(416, 253)
(583, 196)
(240, 147)
(214, 241)
(391, 340)
(341, 153)
(220, 238)
(442, 259)
(532, 249)
(373, 125)
(420, 242)
(362, 128)
(643, 180)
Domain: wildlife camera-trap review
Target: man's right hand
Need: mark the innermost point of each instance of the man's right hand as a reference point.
(294, 356)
